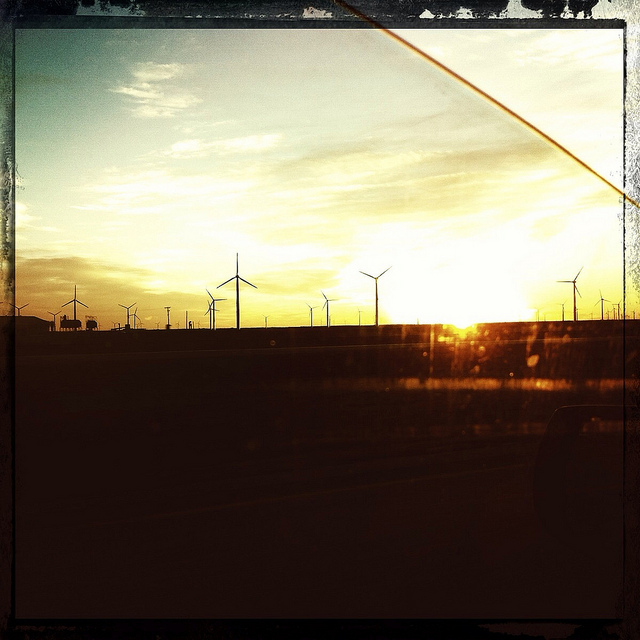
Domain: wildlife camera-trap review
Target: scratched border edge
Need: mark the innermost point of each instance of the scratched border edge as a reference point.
(622, 12)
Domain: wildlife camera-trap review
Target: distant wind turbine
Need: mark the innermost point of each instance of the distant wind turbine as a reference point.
(212, 309)
(265, 321)
(237, 278)
(75, 301)
(53, 322)
(326, 304)
(127, 308)
(562, 305)
(601, 301)
(136, 317)
(375, 278)
(311, 312)
(575, 290)
(19, 308)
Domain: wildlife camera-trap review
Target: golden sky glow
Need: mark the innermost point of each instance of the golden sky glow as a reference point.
(149, 158)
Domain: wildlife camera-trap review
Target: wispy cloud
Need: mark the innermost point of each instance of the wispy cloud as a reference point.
(196, 148)
(156, 191)
(152, 93)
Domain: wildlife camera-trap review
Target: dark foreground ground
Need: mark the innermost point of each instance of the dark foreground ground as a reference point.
(156, 486)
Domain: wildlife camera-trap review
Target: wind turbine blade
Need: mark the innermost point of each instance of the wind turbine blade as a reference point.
(226, 282)
(207, 290)
(579, 272)
(577, 290)
(325, 297)
(66, 303)
(567, 281)
(246, 282)
(366, 274)
(82, 303)
(385, 271)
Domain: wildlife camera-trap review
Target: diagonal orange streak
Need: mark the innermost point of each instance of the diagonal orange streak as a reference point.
(489, 98)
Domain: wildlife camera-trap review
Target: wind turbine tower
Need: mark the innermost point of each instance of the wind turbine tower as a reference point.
(53, 322)
(75, 301)
(375, 278)
(237, 278)
(19, 308)
(601, 301)
(311, 312)
(326, 304)
(127, 325)
(575, 290)
(212, 309)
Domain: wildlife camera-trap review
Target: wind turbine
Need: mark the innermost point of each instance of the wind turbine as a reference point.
(75, 301)
(212, 309)
(135, 317)
(265, 321)
(601, 301)
(237, 278)
(18, 308)
(562, 305)
(575, 289)
(311, 311)
(376, 281)
(127, 308)
(326, 304)
(54, 318)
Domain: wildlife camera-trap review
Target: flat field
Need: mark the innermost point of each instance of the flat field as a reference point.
(195, 485)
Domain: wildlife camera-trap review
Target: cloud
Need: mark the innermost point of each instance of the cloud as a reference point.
(153, 95)
(156, 191)
(196, 148)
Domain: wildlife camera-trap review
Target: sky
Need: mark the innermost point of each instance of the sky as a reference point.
(148, 159)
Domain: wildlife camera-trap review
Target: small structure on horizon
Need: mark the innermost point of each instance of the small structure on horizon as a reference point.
(69, 324)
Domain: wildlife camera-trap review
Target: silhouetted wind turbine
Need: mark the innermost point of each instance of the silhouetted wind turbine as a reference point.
(212, 309)
(311, 311)
(75, 301)
(19, 308)
(562, 305)
(601, 301)
(326, 304)
(237, 278)
(127, 308)
(135, 317)
(265, 321)
(575, 289)
(54, 318)
(376, 281)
